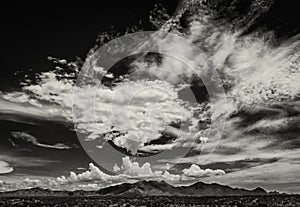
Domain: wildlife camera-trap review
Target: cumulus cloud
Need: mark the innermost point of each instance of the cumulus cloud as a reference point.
(94, 178)
(140, 110)
(116, 168)
(32, 182)
(169, 177)
(93, 173)
(13, 183)
(4, 186)
(134, 170)
(29, 138)
(5, 168)
(129, 171)
(196, 172)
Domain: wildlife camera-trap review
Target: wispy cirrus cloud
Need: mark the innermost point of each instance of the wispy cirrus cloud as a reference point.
(33, 140)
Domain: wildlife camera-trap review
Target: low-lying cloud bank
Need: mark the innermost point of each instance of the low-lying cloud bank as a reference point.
(129, 171)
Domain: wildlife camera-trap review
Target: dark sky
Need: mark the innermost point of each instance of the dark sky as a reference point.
(32, 31)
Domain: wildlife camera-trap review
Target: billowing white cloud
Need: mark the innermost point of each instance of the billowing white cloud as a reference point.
(140, 110)
(129, 171)
(133, 169)
(169, 177)
(94, 178)
(92, 174)
(196, 172)
(32, 182)
(5, 168)
(20, 182)
(116, 168)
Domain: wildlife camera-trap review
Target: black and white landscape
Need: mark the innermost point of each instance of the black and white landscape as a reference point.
(204, 110)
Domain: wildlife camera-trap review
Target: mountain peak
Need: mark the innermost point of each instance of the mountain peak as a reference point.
(153, 182)
(198, 184)
(259, 190)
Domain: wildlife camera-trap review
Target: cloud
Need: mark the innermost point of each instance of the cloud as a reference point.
(94, 178)
(196, 172)
(129, 171)
(20, 182)
(92, 174)
(24, 109)
(29, 138)
(169, 177)
(32, 182)
(133, 113)
(4, 186)
(21, 161)
(282, 175)
(133, 169)
(50, 98)
(116, 168)
(90, 186)
(139, 109)
(260, 75)
(5, 168)
(255, 73)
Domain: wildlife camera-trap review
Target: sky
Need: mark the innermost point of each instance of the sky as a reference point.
(208, 105)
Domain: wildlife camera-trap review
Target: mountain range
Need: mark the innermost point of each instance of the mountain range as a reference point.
(145, 188)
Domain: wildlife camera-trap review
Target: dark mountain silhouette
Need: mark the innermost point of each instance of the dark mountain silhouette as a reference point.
(162, 188)
(34, 192)
(151, 188)
(145, 188)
